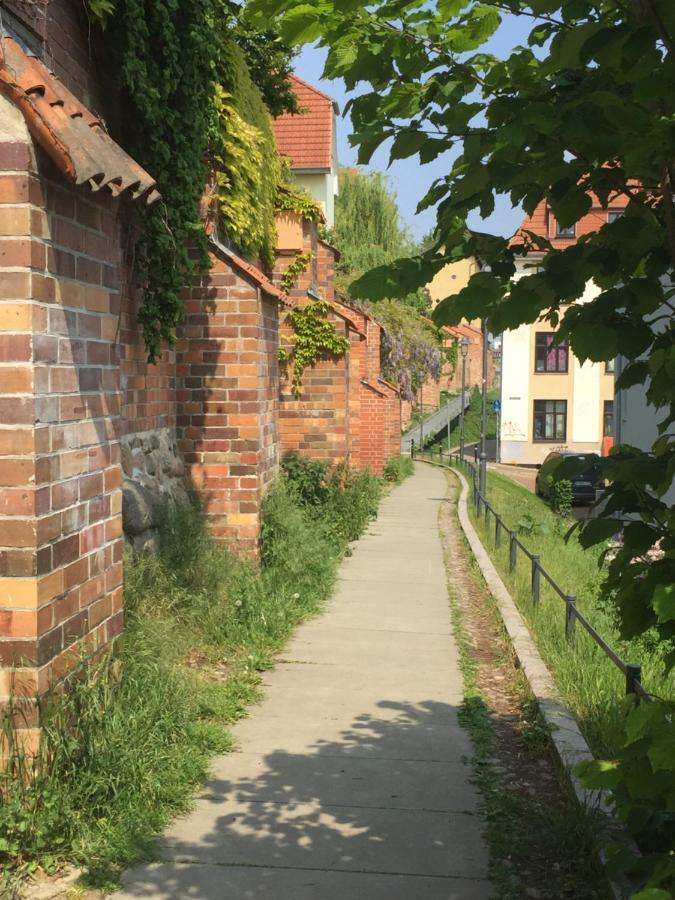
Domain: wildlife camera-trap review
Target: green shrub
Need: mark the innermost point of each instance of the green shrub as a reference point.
(398, 468)
(307, 478)
(561, 496)
(341, 500)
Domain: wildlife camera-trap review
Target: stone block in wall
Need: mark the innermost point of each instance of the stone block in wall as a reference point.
(154, 473)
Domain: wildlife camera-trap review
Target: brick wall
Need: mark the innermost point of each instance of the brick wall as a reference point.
(60, 506)
(316, 423)
(227, 393)
(344, 410)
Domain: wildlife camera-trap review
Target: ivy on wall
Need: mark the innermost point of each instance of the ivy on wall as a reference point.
(295, 270)
(192, 109)
(247, 168)
(293, 198)
(315, 338)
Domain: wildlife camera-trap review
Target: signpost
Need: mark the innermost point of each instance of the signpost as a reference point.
(497, 407)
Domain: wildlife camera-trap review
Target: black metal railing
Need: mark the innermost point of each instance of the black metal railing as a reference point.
(632, 672)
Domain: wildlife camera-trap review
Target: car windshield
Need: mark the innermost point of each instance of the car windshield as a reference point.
(592, 473)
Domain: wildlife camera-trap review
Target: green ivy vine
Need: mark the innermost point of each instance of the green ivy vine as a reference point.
(295, 269)
(293, 198)
(192, 110)
(314, 338)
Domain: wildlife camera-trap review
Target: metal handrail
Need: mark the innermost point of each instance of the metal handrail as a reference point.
(631, 671)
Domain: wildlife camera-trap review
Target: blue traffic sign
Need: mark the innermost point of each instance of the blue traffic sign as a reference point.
(496, 405)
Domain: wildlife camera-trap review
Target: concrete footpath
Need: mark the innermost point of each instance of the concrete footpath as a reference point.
(349, 780)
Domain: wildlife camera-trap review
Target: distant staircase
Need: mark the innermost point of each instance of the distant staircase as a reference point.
(435, 422)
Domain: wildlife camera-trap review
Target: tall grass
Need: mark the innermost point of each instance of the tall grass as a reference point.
(590, 683)
(124, 748)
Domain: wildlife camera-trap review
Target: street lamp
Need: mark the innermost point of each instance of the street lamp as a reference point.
(482, 472)
(463, 349)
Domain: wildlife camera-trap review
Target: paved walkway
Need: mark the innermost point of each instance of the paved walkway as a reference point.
(349, 780)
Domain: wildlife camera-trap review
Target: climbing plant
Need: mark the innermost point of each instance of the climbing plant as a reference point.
(191, 108)
(246, 166)
(295, 269)
(293, 198)
(411, 347)
(314, 339)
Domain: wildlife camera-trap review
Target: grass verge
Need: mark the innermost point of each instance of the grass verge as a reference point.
(124, 750)
(589, 682)
(541, 843)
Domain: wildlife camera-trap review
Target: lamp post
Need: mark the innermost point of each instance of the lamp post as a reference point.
(482, 472)
(463, 349)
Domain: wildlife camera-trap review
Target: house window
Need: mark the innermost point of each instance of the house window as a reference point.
(614, 214)
(550, 420)
(609, 367)
(608, 419)
(568, 231)
(549, 357)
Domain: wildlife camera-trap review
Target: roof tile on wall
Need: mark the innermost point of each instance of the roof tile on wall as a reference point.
(66, 130)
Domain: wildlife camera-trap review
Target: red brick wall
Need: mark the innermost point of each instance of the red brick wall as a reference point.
(227, 399)
(316, 423)
(60, 506)
(338, 416)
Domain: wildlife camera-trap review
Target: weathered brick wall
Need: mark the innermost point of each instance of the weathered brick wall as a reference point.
(316, 423)
(60, 525)
(228, 385)
(345, 411)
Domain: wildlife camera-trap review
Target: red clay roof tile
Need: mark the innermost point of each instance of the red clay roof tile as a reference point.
(307, 137)
(75, 139)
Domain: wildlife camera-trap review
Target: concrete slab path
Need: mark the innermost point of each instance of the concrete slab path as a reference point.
(349, 780)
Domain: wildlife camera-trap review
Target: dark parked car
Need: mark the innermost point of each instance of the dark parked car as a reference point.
(586, 484)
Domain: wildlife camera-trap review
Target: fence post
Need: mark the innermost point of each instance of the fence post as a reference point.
(570, 619)
(498, 532)
(487, 516)
(633, 678)
(536, 579)
(513, 550)
(412, 448)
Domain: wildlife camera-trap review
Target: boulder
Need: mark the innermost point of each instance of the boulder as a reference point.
(147, 543)
(140, 508)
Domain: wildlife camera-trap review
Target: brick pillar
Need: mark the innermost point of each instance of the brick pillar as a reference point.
(227, 397)
(60, 504)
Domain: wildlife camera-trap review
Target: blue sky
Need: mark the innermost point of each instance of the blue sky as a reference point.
(409, 179)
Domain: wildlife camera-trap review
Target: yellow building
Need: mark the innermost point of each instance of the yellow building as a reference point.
(450, 280)
(550, 400)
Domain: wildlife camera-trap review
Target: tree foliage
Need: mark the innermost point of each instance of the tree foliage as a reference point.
(368, 232)
(583, 113)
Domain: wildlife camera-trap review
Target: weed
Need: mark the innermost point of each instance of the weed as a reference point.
(541, 840)
(398, 468)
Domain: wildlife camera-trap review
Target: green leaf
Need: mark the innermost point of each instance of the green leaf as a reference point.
(406, 143)
(652, 894)
(594, 531)
(662, 752)
(664, 602)
(598, 774)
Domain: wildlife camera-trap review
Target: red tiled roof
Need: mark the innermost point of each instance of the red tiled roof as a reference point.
(306, 138)
(542, 223)
(75, 139)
